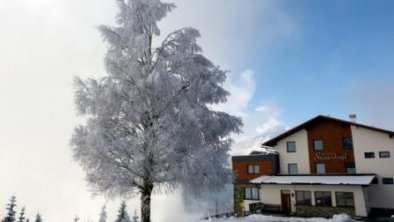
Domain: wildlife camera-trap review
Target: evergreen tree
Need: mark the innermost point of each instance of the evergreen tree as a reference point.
(123, 216)
(10, 210)
(135, 217)
(22, 215)
(38, 218)
(103, 215)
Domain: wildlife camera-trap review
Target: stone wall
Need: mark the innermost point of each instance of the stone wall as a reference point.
(314, 211)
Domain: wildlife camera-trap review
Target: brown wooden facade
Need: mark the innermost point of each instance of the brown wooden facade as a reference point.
(268, 165)
(240, 169)
(334, 155)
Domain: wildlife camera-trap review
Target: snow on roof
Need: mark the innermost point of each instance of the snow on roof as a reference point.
(318, 179)
(269, 150)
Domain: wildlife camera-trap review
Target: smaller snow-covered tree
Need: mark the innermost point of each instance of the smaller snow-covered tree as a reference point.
(22, 215)
(123, 216)
(10, 210)
(38, 218)
(135, 217)
(103, 215)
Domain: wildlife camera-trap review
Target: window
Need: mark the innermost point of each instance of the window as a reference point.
(251, 193)
(320, 168)
(292, 168)
(347, 143)
(369, 155)
(253, 169)
(344, 199)
(318, 145)
(387, 180)
(303, 198)
(291, 146)
(350, 167)
(323, 198)
(384, 154)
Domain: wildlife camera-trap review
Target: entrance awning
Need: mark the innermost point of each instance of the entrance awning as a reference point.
(316, 179)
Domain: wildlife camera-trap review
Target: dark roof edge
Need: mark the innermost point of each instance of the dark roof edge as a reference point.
(254, 157)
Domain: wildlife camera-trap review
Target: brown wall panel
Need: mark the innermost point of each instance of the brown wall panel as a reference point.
(240, 169)
(333, 155)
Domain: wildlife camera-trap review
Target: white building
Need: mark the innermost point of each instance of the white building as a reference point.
(329, 166)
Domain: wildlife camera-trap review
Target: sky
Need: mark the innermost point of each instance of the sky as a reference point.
(288, 61)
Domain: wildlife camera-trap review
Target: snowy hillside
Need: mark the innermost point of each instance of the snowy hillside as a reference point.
(264, 218)
(246, 146)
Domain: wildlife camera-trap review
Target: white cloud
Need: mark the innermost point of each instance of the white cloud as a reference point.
(262, 120)
(272, 115)
(269, 126)
(241, 88)
(269, 109)
(242, 93)
(259, 125)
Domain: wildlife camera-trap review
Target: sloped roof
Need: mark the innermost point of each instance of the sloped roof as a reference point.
(273, 141)
(316, 179)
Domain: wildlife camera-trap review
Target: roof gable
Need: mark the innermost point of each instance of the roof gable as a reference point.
(317, 120)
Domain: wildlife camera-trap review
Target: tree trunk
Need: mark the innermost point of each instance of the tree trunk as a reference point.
(145, 201)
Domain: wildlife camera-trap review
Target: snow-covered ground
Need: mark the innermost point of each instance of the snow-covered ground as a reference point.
(265, 218)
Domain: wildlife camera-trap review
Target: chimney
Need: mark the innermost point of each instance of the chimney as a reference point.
(353, 117)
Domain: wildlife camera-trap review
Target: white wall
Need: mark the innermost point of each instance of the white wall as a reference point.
(301, 156)
(366, 140)
(271, 194)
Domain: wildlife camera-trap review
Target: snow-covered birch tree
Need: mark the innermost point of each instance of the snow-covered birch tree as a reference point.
(149, 122)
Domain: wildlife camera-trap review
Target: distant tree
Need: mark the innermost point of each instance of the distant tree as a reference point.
(103, 215)
(135, 217)
(123, 216)
(10, 217)
(22, 215)
(76, 218)
(150, 121)
(38, 218)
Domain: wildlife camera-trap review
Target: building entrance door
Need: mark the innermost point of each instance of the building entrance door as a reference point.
(286, 201)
